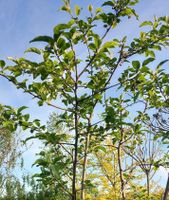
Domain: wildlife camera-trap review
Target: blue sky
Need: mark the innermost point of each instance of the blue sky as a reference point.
(21, 20)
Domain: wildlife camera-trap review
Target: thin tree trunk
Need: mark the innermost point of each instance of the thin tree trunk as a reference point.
(148, 184)
(166, 190)
(121, 172)
(84, 168)
(114, 176)
(75, 159)
(87, 141)
(122, 193)
(76, 139)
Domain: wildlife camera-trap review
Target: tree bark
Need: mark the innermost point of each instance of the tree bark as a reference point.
(76, 138)
(166, 190)
(121, 172)
(87, 141)
(84, 168)
(148, 183)
(75, 159)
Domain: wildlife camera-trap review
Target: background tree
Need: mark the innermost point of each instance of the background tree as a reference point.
(10, 149)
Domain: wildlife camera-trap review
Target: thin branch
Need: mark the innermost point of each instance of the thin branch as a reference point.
(34, 96)
(95, 54)
(62, 145)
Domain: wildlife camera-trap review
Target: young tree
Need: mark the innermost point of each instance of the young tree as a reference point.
(10, 147)
(88, 82)
(55, 159)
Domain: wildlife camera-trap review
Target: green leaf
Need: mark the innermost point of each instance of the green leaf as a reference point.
(26, 117)
(40, 162)
(22, 108)
(66, 8)
(100, 148)
(167, 19)
(98, 10)
(144, 69)
(136, 64)
(70, 55)
(167, 90)
(98, 96)
(40, 103)
(77, 10)
(9, 125)
(89, 184)
(33, 50)
(146, 23)
(150, 53)
(37, 122)
(162, 63)
(110, 44)
(108, 3)
(44, 38)
(2, 63)
(60, 27)
(147, 61)
(128, 12)
(132, 3)
(157, 47)
(25, 125)
(92, 46)
(90, 8)
(97, 42)
(110, 115)
(11, 59)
